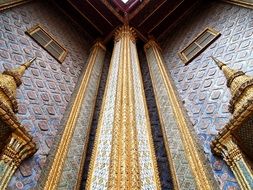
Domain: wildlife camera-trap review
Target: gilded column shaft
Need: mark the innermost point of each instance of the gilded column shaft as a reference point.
(127, 162)
(175, 126)
(79, 120)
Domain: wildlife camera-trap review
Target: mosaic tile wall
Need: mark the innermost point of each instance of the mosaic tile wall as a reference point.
(47, 85)
(201, 85)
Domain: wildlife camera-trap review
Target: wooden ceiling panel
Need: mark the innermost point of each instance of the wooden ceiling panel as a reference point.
(89, 12)
(149, 17)
(158, 16)
(71, 12)
(103, 10)
(128, 6)
(146, 12)
(179, 12)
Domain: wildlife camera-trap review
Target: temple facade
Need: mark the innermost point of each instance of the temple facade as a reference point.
(135, 94)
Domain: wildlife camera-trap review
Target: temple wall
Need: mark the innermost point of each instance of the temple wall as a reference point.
(200, 84)
(48, 85)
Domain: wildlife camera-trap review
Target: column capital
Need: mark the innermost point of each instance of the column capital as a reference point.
(234, 157)
(152, 43)
(18, 149)
(125, 31)
(229, 149)
(99, 43)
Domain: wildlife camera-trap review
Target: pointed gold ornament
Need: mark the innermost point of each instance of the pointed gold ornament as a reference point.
(240, 84)
(16, 144)
(230, 142)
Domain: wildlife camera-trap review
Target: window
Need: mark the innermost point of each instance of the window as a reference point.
(45, 40)
(198, 45)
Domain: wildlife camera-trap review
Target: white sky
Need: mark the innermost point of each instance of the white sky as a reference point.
(124, 1)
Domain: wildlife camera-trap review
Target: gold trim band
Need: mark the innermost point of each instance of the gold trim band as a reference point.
(194, 157)
(58, 162)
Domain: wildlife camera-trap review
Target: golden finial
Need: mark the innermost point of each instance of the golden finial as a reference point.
(9, 80)
(239, 83)
(18, 72)
(218, 62)
(28, 63)
(229, 73)
(21, 69)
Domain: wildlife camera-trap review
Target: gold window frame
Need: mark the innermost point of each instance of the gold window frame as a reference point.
(6, 4)
(38, 27)
(187, 60)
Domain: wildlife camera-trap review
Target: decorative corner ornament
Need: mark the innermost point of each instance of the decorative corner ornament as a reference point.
(15, 142)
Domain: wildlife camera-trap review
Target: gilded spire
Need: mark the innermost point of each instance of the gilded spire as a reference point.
(9, 80)
(240, 84)
(17, 144)
(218, 62)
(18, 72)
(229, 73)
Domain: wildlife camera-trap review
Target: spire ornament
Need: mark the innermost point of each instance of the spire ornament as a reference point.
(240, 84)
(9, 81)
(234, 142)
(16, 144)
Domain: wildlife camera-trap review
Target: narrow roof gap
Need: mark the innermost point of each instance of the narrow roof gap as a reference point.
(125, 1)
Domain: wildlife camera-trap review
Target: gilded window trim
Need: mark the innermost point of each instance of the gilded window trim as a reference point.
(12, 3)
(241, 3)
(182, 55)
(37, 27)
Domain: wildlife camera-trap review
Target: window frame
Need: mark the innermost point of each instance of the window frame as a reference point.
(184, 58)
(11, 3)
(38, 27)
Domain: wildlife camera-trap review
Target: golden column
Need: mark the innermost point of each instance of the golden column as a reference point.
(123, 155)
(176, 127)
(83, 106)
